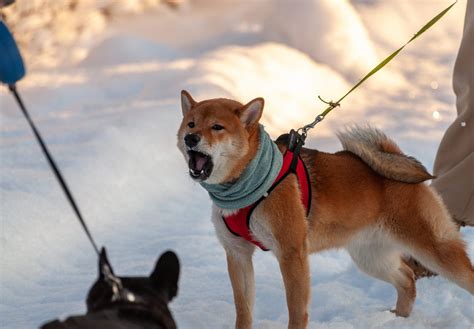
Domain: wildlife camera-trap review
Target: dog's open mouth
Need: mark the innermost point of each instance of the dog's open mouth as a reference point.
(200, 165)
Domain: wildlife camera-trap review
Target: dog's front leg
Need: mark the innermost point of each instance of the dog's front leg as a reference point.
(285, 214)
(295, 271)
(290, 231)
(241, 275)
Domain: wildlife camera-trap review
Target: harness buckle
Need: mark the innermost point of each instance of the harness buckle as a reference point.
(295, 141)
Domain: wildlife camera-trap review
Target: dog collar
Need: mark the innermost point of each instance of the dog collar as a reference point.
(255, 181)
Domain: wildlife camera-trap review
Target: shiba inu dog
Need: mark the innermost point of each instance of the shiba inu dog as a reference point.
(369, 199)
(142, 302)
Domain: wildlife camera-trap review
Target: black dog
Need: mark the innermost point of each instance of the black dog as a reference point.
(128, 302)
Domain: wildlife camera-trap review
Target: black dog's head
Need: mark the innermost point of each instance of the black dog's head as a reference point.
(131, 302)
(160, 287)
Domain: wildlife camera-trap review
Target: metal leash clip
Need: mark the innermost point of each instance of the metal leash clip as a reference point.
(119, 292)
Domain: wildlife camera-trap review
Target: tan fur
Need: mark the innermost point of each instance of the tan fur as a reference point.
(383, 155)
(243, 285)
(359, 202)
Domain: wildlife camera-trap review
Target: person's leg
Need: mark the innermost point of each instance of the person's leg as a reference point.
(454, 164)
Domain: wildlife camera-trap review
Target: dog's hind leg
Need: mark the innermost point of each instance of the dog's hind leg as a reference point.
(447, 258)
(377, 255)
(426, 231)
(444, 254)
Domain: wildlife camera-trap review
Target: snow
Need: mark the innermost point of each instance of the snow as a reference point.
(111, 123)
(301, 30)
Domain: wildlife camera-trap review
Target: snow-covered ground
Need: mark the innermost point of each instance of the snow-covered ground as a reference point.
(111, 124)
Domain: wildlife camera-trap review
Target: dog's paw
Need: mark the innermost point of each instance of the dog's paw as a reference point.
(402, 314)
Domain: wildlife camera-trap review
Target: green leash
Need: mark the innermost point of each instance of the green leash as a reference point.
(304, 130)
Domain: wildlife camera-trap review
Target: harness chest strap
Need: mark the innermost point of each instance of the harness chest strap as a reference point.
(239, 223)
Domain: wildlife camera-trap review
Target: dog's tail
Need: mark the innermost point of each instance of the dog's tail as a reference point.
(383, 155)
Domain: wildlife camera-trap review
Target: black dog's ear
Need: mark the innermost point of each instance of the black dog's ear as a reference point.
(104, 265)
(166, 274)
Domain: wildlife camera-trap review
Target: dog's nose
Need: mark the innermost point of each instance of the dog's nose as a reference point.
(191, 140)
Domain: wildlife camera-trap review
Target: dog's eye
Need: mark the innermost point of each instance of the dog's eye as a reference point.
(191, 124)
(217, 127)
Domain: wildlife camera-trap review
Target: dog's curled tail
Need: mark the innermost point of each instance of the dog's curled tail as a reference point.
(382, 154)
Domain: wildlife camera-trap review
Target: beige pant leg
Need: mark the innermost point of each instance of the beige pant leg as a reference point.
(454, 164)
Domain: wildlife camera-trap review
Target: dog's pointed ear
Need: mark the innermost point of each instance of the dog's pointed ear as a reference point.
(252, 111)
(187, 102)
(165, 276)
(104, 263)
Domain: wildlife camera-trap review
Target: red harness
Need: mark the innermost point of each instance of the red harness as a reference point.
(239, 223)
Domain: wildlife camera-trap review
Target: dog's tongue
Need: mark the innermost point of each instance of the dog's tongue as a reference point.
(199, 161)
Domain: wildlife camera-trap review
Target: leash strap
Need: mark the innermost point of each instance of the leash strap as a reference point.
(332, 105)
(53, 166)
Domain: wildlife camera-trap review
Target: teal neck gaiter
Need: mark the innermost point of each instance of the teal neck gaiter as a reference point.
(255, 180)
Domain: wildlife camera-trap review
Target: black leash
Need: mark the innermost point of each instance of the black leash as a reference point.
(11, 70)
(119, 293)
(53, 166)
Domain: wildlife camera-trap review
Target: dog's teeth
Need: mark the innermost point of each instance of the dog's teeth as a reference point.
(195, 172)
